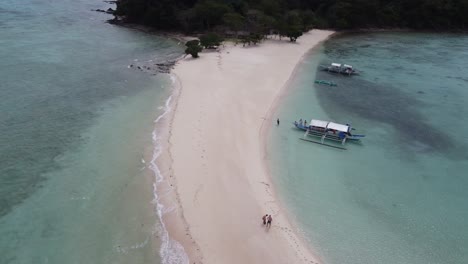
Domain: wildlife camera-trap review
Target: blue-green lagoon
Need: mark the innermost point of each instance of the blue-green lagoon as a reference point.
(399, 196)
(78, 143)
(77, 127)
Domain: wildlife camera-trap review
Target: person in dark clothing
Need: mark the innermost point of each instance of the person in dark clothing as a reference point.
(264, 218)
(269, 220)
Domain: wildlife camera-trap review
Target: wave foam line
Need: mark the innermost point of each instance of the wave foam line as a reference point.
(171, 251)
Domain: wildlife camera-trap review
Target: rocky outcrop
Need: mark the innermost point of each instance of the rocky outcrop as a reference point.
(108, 11)
(153, 67)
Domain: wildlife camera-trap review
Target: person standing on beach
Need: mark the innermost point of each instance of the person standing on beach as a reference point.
(277, 122)
(269, 220)
(264, 218)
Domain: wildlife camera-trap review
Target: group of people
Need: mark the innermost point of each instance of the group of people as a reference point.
(267, 219)
(301, 123)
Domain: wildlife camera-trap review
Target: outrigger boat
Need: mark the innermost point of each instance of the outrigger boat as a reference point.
(325, 82)
(327, 130)
(340, 68)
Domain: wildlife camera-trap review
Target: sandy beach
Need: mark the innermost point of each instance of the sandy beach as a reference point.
(217, 154)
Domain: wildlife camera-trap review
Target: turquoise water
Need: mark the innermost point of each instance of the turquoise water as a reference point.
(399, 196)
(76, 124)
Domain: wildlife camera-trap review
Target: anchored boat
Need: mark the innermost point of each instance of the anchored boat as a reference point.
(340, 68)
(325, 82)
(326, 130)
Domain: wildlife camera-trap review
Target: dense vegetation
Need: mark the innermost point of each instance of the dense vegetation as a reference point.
(193, 47)
(290, 16)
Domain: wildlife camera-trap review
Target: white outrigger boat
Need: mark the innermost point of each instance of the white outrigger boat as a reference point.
(340, 68)
(326, 130)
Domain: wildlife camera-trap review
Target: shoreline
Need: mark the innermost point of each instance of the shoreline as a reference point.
(264, 137)
(221, 195)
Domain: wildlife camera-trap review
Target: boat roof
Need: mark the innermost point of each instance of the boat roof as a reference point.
(318, 123)
(338, 127)
(336, 64)
(347, 66)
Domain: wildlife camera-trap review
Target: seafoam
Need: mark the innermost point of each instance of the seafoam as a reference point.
(171, 251)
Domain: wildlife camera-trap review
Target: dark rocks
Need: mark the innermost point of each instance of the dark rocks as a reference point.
(165, 67)
(108, 11)
(160, 67)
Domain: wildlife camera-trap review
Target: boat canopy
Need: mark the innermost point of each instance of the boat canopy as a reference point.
(318, 123)
(347, 66)
(338, 127)
(336, 65)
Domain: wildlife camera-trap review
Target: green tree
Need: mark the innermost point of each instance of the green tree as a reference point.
(193, 42)
(211, 12)
(293, 18)
(267, 24)
(271, 7)
(193, 48)
(339, 15)
(211, 40)
(294, 33)
(281, 28)
(252, 38)
(257, 16)
(291, 26)
(255, 38)
(253, 20)
(308, 19)
(132, 10)
(245, 40)
(259, 23)
(234, 21)
(187, 20)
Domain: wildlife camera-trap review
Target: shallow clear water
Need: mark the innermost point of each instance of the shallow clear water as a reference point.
(75, 125)
(400, 196)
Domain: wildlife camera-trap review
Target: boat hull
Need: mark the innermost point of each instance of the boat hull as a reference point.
(329, 135)
(325, 82)
(339, 71)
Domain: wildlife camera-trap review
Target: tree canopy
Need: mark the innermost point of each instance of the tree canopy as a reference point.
(193, 47)
(263, 16)
(210, 40)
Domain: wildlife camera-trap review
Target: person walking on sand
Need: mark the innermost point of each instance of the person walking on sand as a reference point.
(264, 218)
(277, 122)
(269, 220)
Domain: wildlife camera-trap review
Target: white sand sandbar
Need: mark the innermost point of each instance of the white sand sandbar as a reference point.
(217, 155)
